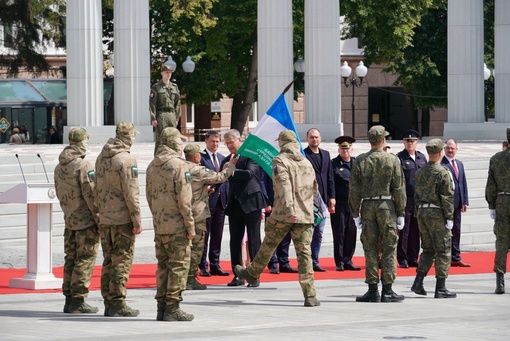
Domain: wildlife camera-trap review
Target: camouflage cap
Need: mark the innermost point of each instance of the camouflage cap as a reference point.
(78, 134)
(287, 136)
(126, 128)
(172, 134)
(434, 146)
(166, 67)
(377, 133)
(192, 149)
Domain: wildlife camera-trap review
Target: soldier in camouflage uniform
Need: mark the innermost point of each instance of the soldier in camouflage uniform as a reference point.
(169, 195)
(201, 178)
(295, 186)
(164, 104)
(117, 197)
(434, 201)
(377, 195)
(74, 184)
(497, 194)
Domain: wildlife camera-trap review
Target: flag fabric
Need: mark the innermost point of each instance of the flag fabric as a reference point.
(261, 145)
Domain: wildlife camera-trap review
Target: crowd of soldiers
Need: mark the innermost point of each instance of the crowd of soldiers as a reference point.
(101, 204)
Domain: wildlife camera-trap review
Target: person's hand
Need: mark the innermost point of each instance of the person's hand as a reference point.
(137, 230)
(331, 205)
(400, 223)
(234, 159)
(292, 218)
(154, 123)
(268, 209)
(464, 208)
(210, 189)
(492, 214)
(357, 222)
(190, 235)
(449, 224)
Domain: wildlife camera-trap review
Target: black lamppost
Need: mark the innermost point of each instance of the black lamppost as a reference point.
(361, 72)
(486, 76)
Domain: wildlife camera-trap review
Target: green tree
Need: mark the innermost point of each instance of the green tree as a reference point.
(30, 25)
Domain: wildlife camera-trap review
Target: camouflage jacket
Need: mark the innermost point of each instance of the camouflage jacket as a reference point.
(169, 193)
(201, 178)
(74, 184)
(498, 180)
(433, 185)
(377, 173)
(165, 98)
(116, 191)
(294, 184)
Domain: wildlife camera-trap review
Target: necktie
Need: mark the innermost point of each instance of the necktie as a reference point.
(215, 161)
(455, 170)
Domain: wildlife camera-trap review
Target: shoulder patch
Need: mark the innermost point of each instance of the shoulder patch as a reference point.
(134, 171)
(92, 175)
(187, 176)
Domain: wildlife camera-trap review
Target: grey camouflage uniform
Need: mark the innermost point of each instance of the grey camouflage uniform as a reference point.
(374, 174)
(74, 184)
(433, 185)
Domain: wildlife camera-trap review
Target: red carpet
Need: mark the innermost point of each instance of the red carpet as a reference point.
(143, 275)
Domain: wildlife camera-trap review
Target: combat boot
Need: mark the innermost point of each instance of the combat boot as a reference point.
(78, 306)
(66, 304)
(500, 284)
(418, 284)
(161, 311)
(106, 307)
(441, 291)
(121, 309)
(388, 295)
(243, 274)
(193, 284)
(312, 302)
(372, 295)
(174, 313)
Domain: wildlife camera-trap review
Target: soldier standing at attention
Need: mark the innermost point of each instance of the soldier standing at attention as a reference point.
(377, 195)
(117, 198)
(497, 194)
(74, 184)
(294, 188)
(164, 104)
(434, 201)
(169, 195)
(201, 178)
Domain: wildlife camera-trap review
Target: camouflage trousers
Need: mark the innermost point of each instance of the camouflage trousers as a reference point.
(173, 253)
(118, 244)
(436, 242)
(301, 235)
(80, 248)
(197, 248)
(165, 120)
(502, 232)
(379, 231)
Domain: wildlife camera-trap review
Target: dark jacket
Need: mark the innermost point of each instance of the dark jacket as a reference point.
(324, 174)
(342, 175)
(460, 193)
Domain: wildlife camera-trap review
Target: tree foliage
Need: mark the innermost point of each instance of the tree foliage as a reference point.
(31, 26)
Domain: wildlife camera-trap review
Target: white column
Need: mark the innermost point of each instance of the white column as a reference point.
(132, 65)
(275, 52)
(84, 63)
(322, 68)
(502, 61)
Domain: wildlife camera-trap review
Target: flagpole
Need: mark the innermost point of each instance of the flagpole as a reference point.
(287, 88)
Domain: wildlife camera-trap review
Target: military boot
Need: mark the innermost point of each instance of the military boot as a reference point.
(372, 295)
(193, 284)
(66, 304)
(500, 283)
(243, 274)
(161, 311)
(78, 306)
(388, 295)
(418, 284)
(106, 307)
(312, 302)
(121, 309)
(174, 313)
(441, 291)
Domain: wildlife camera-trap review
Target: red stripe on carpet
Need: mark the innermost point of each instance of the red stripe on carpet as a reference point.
(143, 275)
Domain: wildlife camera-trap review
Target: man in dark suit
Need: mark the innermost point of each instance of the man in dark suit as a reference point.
(217, 203)
(460, 197)
(321, 162)
(244, 204)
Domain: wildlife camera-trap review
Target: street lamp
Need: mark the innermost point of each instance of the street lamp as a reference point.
(486, 76)
(361, 72)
